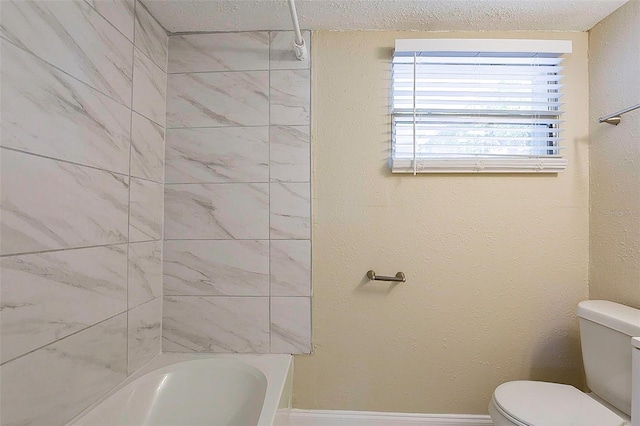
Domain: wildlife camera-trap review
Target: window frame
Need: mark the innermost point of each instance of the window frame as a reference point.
(478, 163)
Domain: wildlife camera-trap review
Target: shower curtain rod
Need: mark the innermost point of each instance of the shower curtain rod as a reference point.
(299, 47)
(615, 117)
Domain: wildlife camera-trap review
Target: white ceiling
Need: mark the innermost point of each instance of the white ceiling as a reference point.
(430, 15)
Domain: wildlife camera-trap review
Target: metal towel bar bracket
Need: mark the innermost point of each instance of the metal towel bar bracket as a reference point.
(615, 117)
(400, 277)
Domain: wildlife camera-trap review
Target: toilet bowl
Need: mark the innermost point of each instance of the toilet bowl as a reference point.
(606, 329)
(529, 403)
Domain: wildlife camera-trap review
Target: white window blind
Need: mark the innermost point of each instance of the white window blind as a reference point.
(462, 105)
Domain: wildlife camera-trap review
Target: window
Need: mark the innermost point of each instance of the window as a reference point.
(461, 105)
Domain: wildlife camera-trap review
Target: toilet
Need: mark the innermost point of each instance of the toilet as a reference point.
(606, 332)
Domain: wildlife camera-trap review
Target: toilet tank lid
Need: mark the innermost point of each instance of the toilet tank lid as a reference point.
(618, 317)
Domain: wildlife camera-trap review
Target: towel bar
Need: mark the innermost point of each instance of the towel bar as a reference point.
(615, 117)
(400, 277)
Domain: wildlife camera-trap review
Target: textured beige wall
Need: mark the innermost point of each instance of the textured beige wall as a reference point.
(495, 264)
(614, 84)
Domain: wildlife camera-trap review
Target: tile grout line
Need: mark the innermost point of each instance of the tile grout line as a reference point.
(231, 183)
(166, 32)
(151, 120)
(234, 126)
(150, 60)
(309, 299)
(143, 115)
(72, 248)
(133, 54)
(246, 296)
(221, 71)
(153, 299)
(164, 186)
(224, 127)
(310, 65)
(111, 23)
(57, 68)
(62, 338)
(217, 239)
(188, 33)
(79, 164)
(269, 180)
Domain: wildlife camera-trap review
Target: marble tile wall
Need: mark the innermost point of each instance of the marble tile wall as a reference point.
(83, 91)
(237, 249)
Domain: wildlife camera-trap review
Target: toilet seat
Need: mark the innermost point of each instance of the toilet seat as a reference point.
(551, 404)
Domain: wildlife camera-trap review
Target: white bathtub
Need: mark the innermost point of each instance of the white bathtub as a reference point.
(199, 389)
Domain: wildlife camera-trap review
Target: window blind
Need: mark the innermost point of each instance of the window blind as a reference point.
(457, 108)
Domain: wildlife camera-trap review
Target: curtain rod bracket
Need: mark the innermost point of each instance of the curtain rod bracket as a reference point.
(300, 49)
(299, 46)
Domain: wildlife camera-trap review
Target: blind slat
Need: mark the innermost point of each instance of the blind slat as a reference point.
(475, 112)
(468, 153)
(486, 69)
(473, 86)
(497, 103)
(474, 119)
(472, 140)
(426, 92)
(444, 129)
(523, 80)
(475, 60)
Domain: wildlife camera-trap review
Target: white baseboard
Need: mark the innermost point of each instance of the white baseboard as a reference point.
(369, 418)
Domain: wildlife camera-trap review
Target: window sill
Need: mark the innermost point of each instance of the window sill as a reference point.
(480, 165)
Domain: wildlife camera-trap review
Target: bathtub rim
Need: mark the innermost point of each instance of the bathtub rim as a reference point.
(277, 368)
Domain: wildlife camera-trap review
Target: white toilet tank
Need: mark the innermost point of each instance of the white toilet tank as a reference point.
(606, 329)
